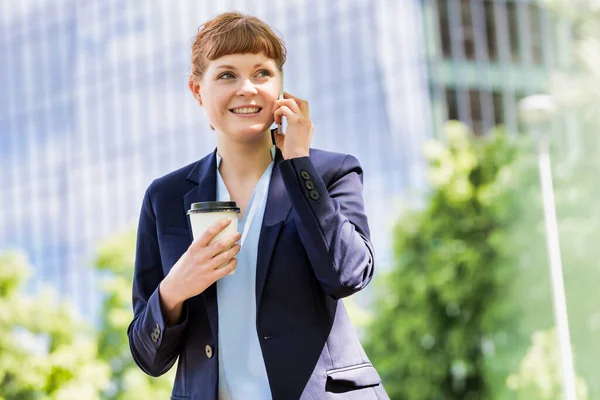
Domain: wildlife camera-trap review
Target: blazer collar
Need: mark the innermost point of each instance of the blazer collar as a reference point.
(204, 168)
(204, 174)
(277, 210)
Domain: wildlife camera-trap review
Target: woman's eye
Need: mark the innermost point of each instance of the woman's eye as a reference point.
(264, 72)
(226, 75)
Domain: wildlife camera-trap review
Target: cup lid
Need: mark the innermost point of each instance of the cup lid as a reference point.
(213, 206)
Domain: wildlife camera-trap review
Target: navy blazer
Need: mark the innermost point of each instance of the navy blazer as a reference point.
(314, 249)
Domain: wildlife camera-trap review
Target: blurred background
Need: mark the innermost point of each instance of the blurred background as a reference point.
(94, 105)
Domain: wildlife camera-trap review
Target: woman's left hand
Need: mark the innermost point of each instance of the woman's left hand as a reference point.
(296, 140)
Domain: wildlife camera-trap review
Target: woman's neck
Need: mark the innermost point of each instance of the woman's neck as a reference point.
(244, 160)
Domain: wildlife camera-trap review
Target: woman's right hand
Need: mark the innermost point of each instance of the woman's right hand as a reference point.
(200, 266)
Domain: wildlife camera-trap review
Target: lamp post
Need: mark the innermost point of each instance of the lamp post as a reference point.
(537, 112)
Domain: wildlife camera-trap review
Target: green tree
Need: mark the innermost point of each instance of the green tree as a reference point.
(115, 262)
(539, 375)
(472, 269)
(442, 328)
(45, 352)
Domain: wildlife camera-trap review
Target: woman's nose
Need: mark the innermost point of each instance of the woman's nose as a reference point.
(247, 88)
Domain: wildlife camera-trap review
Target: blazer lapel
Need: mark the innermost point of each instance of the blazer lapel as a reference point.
(205, 175)
(276, 210)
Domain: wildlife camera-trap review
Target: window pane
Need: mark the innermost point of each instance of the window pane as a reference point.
(513, 27)
(476, 113)
(451, 104)
(490, 30)
(444, 28)
(482, 105)
(498, 108)
(535, 27)
(468, 33)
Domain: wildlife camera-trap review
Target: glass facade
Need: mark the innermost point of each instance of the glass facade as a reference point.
(486, 55)
(96, 105)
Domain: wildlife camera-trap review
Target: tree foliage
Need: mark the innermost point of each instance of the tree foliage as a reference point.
(45, 351)
(539, 375)
(115, 261)
(408, 323)
(441, 314)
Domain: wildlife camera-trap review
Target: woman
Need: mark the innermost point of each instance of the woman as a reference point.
(276, 328)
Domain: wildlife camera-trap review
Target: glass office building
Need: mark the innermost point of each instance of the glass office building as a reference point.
(486, 55)
(95, 105)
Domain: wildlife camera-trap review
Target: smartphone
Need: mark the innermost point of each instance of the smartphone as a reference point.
(280, 126)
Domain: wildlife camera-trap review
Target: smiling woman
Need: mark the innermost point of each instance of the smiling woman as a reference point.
(239, 86)
(250, 60)
(276, 328)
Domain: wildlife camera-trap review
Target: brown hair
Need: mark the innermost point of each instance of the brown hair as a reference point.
(234, 33)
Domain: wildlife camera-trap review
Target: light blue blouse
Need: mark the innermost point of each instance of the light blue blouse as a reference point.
(242, 373)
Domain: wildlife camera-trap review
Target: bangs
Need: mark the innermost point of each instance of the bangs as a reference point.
(241, 37)
(234, 33)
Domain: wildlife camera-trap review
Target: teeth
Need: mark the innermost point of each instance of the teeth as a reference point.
(246, 110)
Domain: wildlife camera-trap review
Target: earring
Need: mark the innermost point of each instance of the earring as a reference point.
(212, 127)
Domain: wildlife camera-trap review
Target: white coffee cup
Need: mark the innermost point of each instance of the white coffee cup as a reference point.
(205, 214)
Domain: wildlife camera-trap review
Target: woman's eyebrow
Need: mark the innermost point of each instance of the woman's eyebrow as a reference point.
(232, 67)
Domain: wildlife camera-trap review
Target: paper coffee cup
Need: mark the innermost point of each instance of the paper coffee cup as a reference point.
(205, 214)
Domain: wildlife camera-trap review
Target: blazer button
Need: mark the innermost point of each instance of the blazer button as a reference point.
(315, 195)
(309, 185)
(155, 335)
(209, 351)
(305, 175)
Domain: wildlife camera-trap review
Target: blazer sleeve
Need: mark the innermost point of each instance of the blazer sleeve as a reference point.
(332, 223)
(154, 346)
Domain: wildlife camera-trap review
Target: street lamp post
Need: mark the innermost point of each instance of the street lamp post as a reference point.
(537, 113)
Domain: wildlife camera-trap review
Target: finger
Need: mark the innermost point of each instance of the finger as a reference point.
(290, 103)
(223, 258)
(302, 104)
(225, 269)
(224, 245)
(288, 95)
(221, 246)
(277, 118)
(284, 111)
(211, 232)
(279, 140)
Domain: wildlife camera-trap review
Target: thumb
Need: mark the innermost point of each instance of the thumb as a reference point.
(279, 139)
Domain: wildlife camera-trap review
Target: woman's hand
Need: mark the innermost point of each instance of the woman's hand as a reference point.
(296, 140)
(200, 266)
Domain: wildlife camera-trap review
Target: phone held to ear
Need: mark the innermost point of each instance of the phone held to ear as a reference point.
(280, 126)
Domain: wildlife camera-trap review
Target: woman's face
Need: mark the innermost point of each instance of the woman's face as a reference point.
(238, 92)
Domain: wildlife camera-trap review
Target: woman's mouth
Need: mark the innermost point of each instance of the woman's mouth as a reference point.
(246, 111)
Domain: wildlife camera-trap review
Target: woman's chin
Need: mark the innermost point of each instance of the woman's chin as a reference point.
(250, 133)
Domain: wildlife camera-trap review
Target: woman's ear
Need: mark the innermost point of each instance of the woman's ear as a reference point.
(195, 89)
